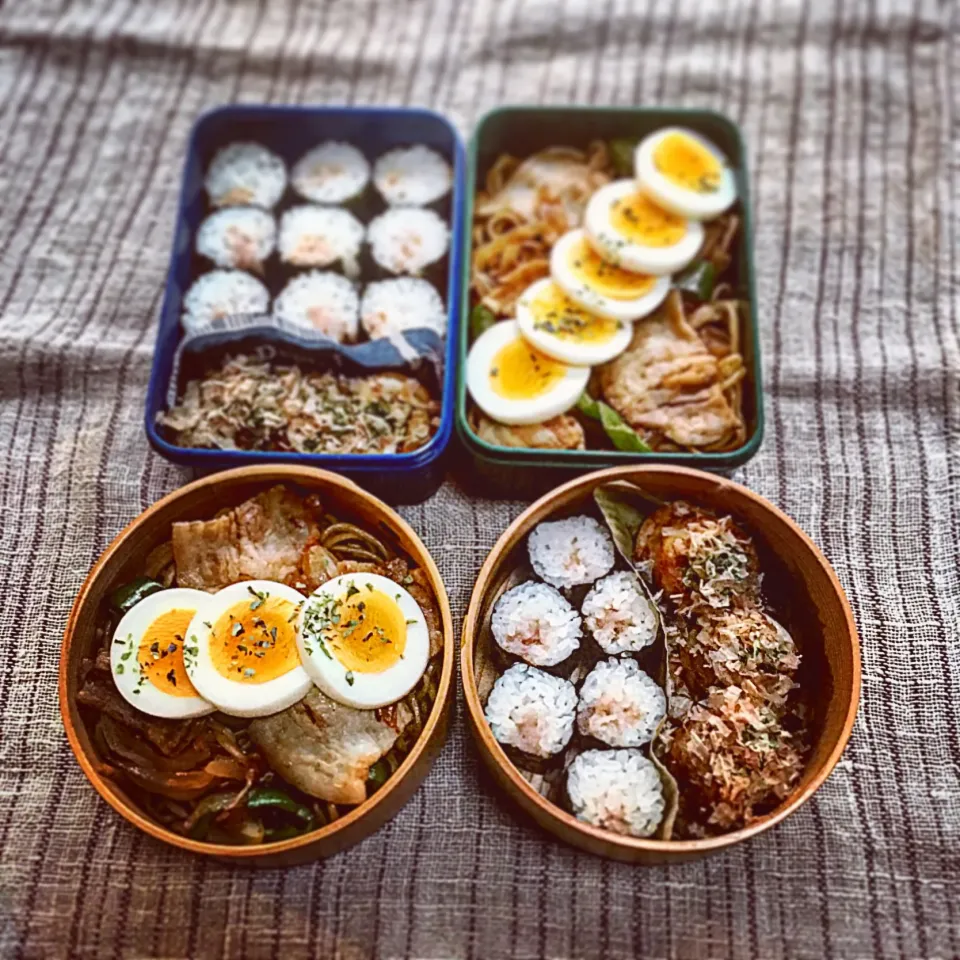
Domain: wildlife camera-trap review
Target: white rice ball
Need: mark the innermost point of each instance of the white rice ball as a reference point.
(535, 623)
(620, 704)
(407, 239)
(412, 176)
(237, 237)
(246, 174)
(315, 236)
(223, 293)
(532, 711)
(321, 301)
(405, 303)
(616, 790)
(570, 552)
(333, 172)
(619, 615)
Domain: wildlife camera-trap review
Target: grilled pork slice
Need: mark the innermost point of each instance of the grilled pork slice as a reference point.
(325, 748)
(262, 538)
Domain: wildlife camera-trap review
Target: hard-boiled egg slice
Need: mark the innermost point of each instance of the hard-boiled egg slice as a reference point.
(564, 331)
(146, 655)
(628, 229)
(513, 382)
(364, 640)
(603, 288)
(241, 650)
(685, 174)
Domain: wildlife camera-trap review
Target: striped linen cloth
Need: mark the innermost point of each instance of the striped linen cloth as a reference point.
(850, 115)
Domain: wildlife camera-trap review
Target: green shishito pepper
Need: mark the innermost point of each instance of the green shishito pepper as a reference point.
(260, 798)
(621, 434)
(128, 595)
(698, 279)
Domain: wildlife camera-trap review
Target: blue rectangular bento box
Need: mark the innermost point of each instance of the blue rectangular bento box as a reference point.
(290, 131)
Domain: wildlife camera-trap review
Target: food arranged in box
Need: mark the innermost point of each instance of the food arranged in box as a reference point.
(609, 285)
(313, 288)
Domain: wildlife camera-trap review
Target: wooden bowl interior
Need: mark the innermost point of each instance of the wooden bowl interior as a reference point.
(123, 560)
(803, 591)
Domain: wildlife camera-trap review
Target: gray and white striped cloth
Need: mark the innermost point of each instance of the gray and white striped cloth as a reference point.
(850, 116)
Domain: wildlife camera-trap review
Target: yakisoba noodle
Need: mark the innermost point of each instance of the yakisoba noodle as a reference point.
(526, 207)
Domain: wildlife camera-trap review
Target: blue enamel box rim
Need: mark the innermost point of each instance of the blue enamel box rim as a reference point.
(400, 463)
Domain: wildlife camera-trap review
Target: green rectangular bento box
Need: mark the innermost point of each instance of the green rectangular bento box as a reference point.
(523, 130)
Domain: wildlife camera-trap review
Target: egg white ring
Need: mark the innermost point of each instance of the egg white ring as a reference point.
(603, 306)
(230, 696)
(567, 351)
(634, 256)
(517, 412)
(126, 644)
(671, 196)
(368, 690)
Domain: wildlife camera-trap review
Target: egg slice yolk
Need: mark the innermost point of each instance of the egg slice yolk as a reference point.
(521, 372)
(255, 641)
(371, 634)
(638, 219)
(555, 313)
(160, 654)
(604, 278)
(687, 163)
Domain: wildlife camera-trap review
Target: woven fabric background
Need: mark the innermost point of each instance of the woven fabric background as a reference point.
(850, 115)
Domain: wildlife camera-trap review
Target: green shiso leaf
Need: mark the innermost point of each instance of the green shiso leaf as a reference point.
(621, 155)
(482, 318)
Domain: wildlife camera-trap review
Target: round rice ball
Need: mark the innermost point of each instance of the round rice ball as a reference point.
(246, 174)
(333, 172)
(620, 705)
(223, 293)
(567, 553)
(405, 303)
(237, 237)
(322, 301)
(616, 790)
(315, 236)
(412, 176)
(534, 622)
(407, 239)
(532, 711)
(619, 615)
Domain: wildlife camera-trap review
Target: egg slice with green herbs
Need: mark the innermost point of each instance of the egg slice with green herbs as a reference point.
(363, 640)
(601, 287)
(515, 383)
(685, 173)
(147, 655)
(627, 228)
(241, 649)
(564, 331)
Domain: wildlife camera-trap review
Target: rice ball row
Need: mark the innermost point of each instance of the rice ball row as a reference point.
(532, 713)
(401, 240)
(334, 172)
(320, 301)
